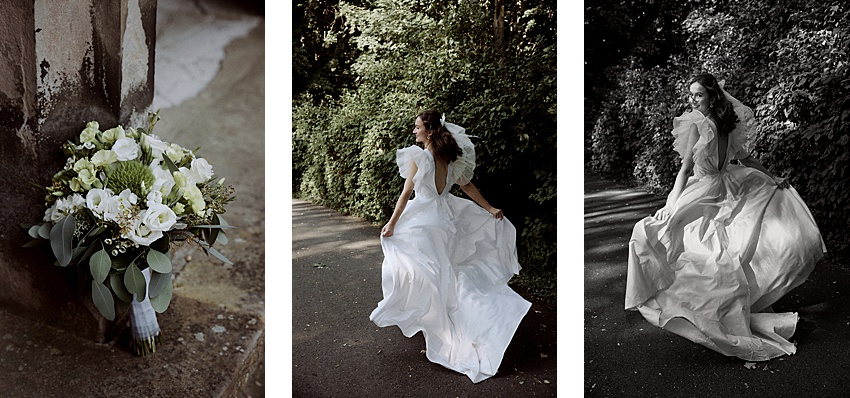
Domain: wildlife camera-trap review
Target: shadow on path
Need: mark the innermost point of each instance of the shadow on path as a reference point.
(627, 356)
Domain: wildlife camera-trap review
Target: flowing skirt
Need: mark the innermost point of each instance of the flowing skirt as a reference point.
(733, 245)
(445, 273)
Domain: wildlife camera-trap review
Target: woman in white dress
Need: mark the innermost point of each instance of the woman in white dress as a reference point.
(447, 261)
(731, 240)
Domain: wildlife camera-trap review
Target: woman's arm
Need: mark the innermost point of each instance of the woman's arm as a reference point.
(682, 177)
(473, 193)
(750, 161)
(387, 230)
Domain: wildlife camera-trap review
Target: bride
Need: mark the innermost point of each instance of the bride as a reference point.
(731, 240)
(447, 261)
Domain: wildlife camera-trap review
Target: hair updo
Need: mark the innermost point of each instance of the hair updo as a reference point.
(724, 114)
(442, 142)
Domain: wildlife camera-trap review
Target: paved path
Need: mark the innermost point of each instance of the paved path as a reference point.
(338, 352)
(626, 356)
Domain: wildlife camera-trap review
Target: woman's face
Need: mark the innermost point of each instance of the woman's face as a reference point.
(699, 98)
(419, 131)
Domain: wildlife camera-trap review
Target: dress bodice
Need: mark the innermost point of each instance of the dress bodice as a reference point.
(706, 155)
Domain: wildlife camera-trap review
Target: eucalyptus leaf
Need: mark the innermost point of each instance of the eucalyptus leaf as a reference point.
(213, 233)
(159, 262)
(44, 231)
(219, 226)
(120, 290)
(135, 281)
(61, 236)
(99, 264)
(221, 239)
(102, 298)
(160, 301)
(218, 255)
(158, 282)
(33, 232)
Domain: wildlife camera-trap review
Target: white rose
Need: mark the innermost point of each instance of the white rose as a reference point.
(163, 180)
(141, 233)
(102, 203)
(201, 168)
(159, 218)
(126, 149)
(157, 147)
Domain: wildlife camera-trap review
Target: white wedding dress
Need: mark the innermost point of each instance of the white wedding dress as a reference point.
(446, 269)
(733, 245)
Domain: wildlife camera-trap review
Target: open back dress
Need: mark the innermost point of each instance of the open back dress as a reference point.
(446, 268)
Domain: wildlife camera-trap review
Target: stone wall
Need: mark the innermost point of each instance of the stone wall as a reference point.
(62, 64)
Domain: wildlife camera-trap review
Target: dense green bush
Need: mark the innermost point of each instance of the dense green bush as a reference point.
(412, 57)
(788, 60)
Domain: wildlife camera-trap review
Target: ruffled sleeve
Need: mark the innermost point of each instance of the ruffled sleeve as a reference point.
(681, 128)
(739, 137)
(464, 166)
(413, 153)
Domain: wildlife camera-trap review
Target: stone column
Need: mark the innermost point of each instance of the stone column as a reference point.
(62, 64)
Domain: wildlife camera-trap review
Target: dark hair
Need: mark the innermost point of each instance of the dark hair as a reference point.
(442, 142)
(724, 115)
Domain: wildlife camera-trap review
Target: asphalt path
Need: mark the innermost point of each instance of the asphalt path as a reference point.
(627, 356)
(338, 352)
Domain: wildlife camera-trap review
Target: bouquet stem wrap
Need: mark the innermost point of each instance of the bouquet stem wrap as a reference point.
(143, 322)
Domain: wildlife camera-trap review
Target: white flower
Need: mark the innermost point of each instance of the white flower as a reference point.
(52, 214)
(112, 135)
(159, 217)
(126, 149)
(125, 200)
(102, 203)
(74, 203)
(175, 152)
(163, 180)
(141, 233)
(90, 133)
(199, 173)
(157, 147)
(104, 157)
(154, 198)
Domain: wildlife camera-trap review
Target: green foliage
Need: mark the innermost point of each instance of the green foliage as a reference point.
(788, 60)
(411, 57)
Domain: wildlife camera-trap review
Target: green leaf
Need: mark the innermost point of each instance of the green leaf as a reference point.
(33, 232)
(119, 289)
(219, 256)
(102, 298)
(168, 163)
(159, 262)
(160, 301)
(162, 244)
(99, 264)
(60, 240)
(158, 282)
(44, 231)
(221, 239)
(135, 281)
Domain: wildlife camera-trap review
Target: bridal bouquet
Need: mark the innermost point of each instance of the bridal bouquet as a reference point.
(122, 199)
